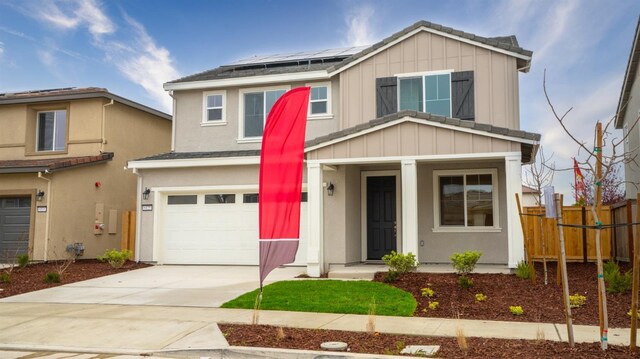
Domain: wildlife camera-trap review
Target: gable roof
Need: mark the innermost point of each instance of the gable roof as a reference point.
(73, 93)
(529, 140)
(335, 61)
(629, 77)
(52, 164)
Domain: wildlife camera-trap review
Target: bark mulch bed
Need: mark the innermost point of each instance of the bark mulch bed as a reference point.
(541, 303)
(310, 339)
(31, 277)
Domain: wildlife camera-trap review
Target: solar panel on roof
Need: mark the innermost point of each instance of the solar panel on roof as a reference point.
(295, 56)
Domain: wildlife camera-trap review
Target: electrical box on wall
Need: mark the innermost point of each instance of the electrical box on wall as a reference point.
(98, 227)
(113, 221)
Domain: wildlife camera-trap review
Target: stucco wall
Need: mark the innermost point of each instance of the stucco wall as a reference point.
(495, 78)
(193, 136)
(438, 247)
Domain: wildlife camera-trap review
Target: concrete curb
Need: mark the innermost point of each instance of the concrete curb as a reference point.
(272, 353)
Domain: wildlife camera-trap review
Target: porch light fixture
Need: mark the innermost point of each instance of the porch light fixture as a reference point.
(145, 193)
(39, 195)
(330, 189)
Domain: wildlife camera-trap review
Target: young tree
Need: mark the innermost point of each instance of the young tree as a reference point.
(600, 166)
(537, 176)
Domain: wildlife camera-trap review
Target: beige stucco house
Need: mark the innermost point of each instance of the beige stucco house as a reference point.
(413, 144)
(63, 185)
(628, 113)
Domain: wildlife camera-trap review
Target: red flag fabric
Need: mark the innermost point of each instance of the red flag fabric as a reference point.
(579, 181)
(281, 161)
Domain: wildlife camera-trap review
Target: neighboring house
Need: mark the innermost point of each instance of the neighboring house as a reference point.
(413, 144)
(62, 176)
(530, 197)
(628, 113)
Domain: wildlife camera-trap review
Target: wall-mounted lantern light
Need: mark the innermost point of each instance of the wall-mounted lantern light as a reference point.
(145, 193)
(39, 195)
(330, 189)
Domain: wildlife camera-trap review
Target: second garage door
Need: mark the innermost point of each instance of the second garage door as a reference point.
(215, 228)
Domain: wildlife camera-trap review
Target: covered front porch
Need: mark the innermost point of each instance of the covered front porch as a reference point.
(392, 191)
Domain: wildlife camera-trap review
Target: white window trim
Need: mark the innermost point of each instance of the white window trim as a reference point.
(242, 92)
(205, 116)
(55, 125)
(423, 75)
(329, 113)
(436, 201)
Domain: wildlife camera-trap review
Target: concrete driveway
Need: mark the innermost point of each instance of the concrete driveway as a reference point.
(169, 285)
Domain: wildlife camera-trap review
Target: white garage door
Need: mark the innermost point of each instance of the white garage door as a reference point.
(215, 228)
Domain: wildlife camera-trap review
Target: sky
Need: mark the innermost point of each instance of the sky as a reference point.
(132, 47)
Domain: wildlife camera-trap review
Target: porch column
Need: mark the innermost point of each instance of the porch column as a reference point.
(409, 207)
(513, 174)
(315, 257)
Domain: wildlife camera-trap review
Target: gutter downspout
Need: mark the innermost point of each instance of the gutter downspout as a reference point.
(103, 140)
(47, 223)
(173, 123)
(138, 214)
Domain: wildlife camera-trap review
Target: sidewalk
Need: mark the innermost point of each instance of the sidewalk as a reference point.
(130, 329)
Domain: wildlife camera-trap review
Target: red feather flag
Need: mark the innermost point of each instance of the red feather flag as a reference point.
(578, 182)
(281, 161)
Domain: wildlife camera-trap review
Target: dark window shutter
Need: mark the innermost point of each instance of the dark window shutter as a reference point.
(386, 96)
(462, 101)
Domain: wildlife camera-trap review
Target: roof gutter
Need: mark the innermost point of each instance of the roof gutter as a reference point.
(248, 80)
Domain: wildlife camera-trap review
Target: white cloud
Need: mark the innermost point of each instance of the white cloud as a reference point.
(1, 49)
(46, 57)
(143, 62)
(359, 29)
(74, 13)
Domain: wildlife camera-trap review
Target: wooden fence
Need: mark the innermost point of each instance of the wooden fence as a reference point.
(624, 212)
(579, 242)
(128, 240)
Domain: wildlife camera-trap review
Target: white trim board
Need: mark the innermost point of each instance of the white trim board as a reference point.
(422, 122)
(425, 158)
(195, 162)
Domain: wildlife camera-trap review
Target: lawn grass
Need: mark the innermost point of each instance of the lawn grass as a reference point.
(330, 296)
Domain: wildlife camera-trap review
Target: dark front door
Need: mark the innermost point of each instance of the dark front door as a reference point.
(381, 216)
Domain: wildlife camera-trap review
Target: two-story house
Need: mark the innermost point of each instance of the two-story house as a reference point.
(63, 186)
(628, 113)
(413, 144)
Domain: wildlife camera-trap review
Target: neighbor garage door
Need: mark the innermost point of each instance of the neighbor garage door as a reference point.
(214, 228)
(14, 227)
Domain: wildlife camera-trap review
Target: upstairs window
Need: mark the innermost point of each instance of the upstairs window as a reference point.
(426, 93)
(214, 109)
(320, 100)
(51, 130)
(256, 106)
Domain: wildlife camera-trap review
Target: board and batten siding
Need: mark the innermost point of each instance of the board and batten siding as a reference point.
(495, 78)
(410, 139)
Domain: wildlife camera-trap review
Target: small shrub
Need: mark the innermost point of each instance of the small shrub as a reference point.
(481, 297)
(115, 258)
(391, 276)
(609, 268)
(433, 305)
(523, 271)
(428, 292)
(464, 263)
(52, 277)
(516, 310)
(401, 263)
(465, 282)
(619, 283)
(23, 260)
(577, 300)
(5, 277)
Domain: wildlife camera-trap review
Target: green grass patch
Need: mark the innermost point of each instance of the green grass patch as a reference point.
(330, 296)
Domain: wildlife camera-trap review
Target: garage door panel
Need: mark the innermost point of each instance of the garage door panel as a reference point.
(216, 233)
(15, 214)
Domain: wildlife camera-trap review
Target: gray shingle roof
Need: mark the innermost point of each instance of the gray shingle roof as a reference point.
(196, 155)
(424, 116)
(508, 43)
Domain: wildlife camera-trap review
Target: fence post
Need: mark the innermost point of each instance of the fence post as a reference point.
(584, 234)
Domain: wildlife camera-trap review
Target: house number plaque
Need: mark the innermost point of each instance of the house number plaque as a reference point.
(147, 207)
(42, 209)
